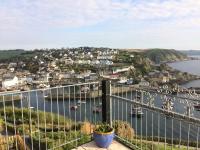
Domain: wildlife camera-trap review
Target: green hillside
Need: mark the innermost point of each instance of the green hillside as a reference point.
(14, 55)
(164, 55)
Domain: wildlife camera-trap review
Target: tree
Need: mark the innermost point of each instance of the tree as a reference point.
(33, 67)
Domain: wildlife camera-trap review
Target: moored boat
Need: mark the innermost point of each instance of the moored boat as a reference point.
(197, 107)
(74, 107)
(137, 112)
(81, 102)
(97, 109)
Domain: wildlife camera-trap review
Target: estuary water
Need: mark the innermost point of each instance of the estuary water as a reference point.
(151, 124)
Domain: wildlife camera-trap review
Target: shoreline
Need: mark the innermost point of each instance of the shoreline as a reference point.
(193, 77)
(87, 96)
(181, 60)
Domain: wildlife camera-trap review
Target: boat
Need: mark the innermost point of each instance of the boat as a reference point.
(42, 85)
(137, 111)
(129, 81)
(85, 89)
(45, 93)
(81, 102)
(197, 107)
(74, 107)
(97, 109)
(137, 97)
(122, 81)
(31, 107)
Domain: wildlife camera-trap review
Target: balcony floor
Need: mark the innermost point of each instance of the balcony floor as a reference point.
(92, 146)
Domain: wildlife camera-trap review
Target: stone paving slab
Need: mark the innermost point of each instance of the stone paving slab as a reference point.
(92, 146)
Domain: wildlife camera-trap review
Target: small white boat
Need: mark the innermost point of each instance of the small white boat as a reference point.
(122, 81)
(31, 107)
(85, 89)
(137, 111)
(81, 102)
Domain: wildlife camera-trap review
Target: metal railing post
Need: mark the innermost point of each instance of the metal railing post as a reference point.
(106, 102)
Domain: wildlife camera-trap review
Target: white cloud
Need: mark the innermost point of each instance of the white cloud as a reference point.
(40, 22)
(70, 13)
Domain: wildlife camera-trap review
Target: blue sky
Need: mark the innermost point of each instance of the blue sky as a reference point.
(32, 24)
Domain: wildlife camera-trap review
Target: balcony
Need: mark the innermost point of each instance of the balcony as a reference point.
(92, 146)
(64, 117)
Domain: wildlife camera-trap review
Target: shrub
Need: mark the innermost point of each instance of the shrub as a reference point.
(87, 128)
(123, 129)
(1, 125)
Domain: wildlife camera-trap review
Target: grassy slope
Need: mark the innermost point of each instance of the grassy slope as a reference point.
(160, 55)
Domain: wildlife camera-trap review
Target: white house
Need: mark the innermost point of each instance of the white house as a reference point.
(106, 62)
(68, 61)
(53, 64)
(105, 57)
(12, 69)
(119, 70)
(12, 65)
(164, 79)
(9, 82)
(83, 62)
(122, 80)
(65, 76)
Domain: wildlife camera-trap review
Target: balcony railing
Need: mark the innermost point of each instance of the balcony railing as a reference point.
(64, 117)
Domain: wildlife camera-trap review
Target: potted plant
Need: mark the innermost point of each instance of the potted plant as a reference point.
(103, 135)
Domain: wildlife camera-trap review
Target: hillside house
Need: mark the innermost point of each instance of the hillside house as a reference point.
(65, 76)
(164, 79)
(68, 61)
(105, 57)
(106, 62)
(10, 81)
(91, 77)
(120, 70)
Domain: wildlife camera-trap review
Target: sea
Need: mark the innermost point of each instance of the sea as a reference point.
(190, 66)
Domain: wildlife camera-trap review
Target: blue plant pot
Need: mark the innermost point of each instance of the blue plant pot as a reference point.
(103, 140)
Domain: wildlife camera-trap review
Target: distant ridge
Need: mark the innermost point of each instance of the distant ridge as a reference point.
(164, 55)
(191, 52)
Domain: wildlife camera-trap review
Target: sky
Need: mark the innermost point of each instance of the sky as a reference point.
(30, 24)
